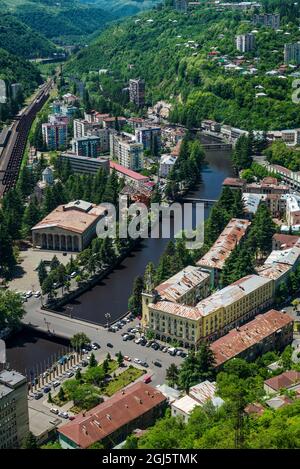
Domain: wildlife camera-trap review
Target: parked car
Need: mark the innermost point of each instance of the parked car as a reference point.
(54, 410)
(138, 341)
(95, 346)
(71, 417)
(38, 395)
(172, 351)
(130, 329)
(165, 349)
(64, 415)
(183, 354)
(70, 374)
(178, 353)
(127, 358)
(109, 345)
(147, 379)
(137, 360)
(148, 344)
(157, 363)
(84, 363)
(37, 294)
(125, 337)
(130, 337)
(29, 294)
(73, 274)
(145, 364)
(56, 384)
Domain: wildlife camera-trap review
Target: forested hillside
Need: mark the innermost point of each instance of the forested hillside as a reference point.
(19, 39)
(124, 7)
(183, 57)
(17, 70)
(63, 22)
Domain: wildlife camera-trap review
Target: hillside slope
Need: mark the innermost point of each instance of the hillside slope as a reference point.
(19, 39)
(67, 21)
(17, 70)
(158, 46)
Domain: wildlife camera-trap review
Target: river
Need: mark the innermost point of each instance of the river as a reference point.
(111, 294)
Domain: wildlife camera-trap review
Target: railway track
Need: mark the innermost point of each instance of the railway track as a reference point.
(12, 156)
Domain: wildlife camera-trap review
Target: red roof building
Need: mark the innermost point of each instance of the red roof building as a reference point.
(269, 331)
(128, 174)
(287, 380)
(137, 406)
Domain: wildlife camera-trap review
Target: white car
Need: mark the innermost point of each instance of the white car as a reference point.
(137, 360)
(29, 294)
(56, 384)
(54, 410)
(73, 274)
(37, 294)
(138, 341)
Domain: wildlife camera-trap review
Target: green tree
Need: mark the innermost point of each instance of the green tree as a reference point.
(42, 272)
(79, 340)
(172, 374)
(120, 358)
(11, 310)
(93, 362)
(135, 301)
(29, 442)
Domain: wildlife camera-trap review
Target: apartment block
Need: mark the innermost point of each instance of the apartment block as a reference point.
(268, 20)
(129, 153)
(150, 138)
(86, 146)
(55, 135)
(84, 164)
(292, 53)
(14, 419)
(245, 42)
(137, 92)
(212, 317)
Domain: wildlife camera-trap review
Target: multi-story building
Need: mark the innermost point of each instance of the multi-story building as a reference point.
(137, 406)
(150, 138)
(130, 177)
(270, 20)
(81, 127)
(129, 153)
(279, 264)
(212, 317)
(55, 135)
(114, 122)
(292, 209)
(292, 53)
(245, 42)
(267, 332)
(283, 241)
(86, 146)
(291, 137)
(166, 164)
(187, 287)
(14, 419)
(84, 164)
(230, 237)
(181, 5)
(137, 92)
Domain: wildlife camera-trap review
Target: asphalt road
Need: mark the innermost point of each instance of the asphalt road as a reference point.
(67, 327)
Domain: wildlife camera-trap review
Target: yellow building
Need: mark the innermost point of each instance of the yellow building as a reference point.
(211, 317)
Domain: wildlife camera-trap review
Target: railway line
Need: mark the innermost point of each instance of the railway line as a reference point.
(13, 152)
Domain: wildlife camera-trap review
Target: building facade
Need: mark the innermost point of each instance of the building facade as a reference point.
(84, 164)
(14, 419)
(268, 20)
(69, 227)
(128, 153)
(245, 42)
(86, 146)
(292, 53)
(150, 138)
(137, 92)
(267, 332)
(55, 135)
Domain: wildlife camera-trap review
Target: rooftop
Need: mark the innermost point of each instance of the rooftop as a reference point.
(237, 182)
(273, 271)
(286, 241)
(118, 411)
(185, 404)
(285, 256)
(128, 172)
(226, 242)
(286, 380)
(76, 216)
(176, 309)
(203, 392)
(181, 283)
(240, 339)
(11, 378)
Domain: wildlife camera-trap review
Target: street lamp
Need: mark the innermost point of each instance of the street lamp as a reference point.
(107, 317)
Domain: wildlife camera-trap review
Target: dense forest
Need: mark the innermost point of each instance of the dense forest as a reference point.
(17, 70)
(19, 39)
(67, 22)
(173, 53)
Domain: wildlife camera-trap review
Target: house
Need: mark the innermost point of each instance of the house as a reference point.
(137, 406)
(289, 380)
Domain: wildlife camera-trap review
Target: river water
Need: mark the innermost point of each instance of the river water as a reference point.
(111, 294)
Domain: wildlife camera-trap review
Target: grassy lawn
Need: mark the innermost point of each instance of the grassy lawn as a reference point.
(125, 378)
